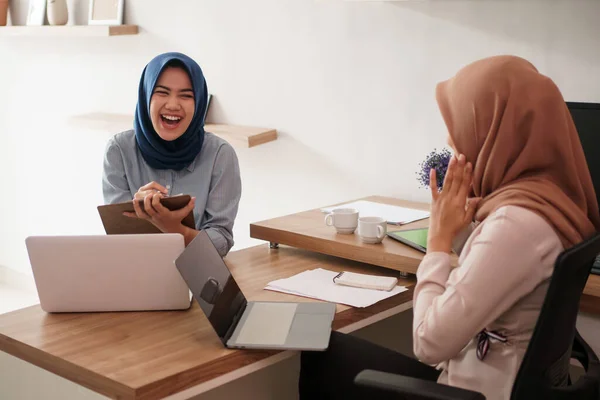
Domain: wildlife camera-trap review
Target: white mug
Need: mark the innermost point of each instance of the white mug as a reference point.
(345, 220)
(372, 229)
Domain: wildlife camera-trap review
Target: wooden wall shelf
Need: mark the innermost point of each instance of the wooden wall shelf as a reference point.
(242, 136)
(69, 30)
(237, 136)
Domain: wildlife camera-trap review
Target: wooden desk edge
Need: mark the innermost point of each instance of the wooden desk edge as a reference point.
(91, 380)
(590, 300)
(324, 247)
(183, 380)
(259, 230)
(176, 383)
(230, 362)
(590, 303)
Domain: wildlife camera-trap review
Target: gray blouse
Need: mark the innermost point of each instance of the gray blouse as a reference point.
(213, 178)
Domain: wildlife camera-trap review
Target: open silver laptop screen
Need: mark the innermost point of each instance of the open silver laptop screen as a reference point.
(211, 283)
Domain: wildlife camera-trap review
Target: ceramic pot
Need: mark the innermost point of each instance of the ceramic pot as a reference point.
(57, 12)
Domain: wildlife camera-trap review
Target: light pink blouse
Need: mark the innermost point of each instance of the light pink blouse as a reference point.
(500, 284)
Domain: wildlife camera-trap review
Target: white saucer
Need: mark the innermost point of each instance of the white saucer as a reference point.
(345, 231)
(370, 240)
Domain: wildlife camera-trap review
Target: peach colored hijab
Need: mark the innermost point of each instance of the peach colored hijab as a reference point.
(512, 123)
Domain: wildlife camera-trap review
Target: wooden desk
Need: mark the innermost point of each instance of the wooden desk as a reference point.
(307, 230)
(150, 355)
(590, 301)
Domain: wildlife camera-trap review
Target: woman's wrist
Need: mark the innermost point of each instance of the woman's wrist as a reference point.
(439, 244)
(188, 233)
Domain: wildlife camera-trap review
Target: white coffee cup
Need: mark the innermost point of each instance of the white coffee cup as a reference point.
(372, 229)
(345, 220)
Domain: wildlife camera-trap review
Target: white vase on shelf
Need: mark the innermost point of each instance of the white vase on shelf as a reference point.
(72, 7)
(57, 12)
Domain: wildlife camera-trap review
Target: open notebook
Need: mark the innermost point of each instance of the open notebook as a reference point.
(318, 284)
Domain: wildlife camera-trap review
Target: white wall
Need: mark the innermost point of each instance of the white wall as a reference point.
(349, 85)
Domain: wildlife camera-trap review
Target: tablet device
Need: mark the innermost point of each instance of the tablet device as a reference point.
(415, 238)
(115, 223)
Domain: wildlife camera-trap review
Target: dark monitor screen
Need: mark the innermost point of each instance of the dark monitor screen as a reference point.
(586, 117)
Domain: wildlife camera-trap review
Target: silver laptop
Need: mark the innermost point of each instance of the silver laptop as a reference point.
(108, 272)
(252, 325)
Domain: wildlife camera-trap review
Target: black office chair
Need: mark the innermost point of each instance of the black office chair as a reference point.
(544, 373)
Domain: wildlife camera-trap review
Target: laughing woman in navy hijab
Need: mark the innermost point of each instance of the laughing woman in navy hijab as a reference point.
(169, 153)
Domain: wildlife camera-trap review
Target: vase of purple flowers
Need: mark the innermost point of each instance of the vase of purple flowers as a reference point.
(438, 161)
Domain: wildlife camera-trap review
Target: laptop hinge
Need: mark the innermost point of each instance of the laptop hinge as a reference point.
(235, 321)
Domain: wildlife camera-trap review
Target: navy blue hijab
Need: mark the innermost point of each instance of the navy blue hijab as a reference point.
(179, 153)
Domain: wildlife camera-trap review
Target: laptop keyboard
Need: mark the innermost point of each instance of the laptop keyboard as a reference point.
(267, 323)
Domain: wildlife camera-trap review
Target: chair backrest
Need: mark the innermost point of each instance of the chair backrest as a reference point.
(547, 359)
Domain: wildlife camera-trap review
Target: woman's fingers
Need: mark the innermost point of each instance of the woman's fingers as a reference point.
(465, 186)
(141, 195)
(458, 175)
(148, 205)
(138, 210)
(148, 208)
(183, 212)
(448, 179)
(433, 183)
(154, 186)
(157, 205)
(470, 211)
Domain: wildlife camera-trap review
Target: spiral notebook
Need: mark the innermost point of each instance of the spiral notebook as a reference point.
(319, 284)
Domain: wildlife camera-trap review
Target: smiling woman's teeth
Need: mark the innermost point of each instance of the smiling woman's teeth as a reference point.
(171, 118)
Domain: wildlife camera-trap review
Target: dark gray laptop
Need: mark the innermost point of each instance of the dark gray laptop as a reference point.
(255, 324)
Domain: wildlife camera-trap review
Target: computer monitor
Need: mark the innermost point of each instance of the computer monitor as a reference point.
(586, 117)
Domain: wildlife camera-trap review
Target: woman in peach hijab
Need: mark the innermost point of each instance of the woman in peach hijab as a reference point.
(519, 187)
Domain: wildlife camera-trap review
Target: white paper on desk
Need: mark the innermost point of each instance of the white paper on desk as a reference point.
(394, 215)
(318, 284)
